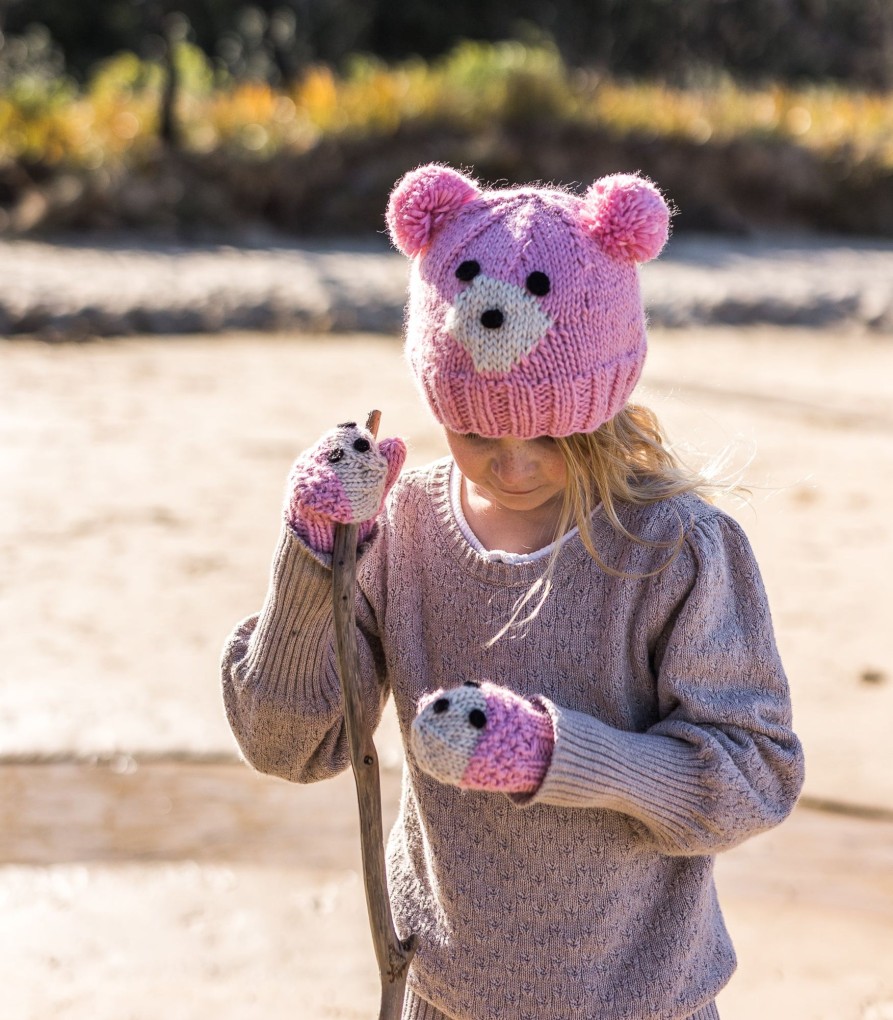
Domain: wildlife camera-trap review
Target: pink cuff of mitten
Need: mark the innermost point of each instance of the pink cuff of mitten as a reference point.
(343, 479)
(483, 737)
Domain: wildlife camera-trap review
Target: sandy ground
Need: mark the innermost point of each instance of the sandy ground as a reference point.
(146, 874)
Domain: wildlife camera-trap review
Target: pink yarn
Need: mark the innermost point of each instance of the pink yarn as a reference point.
(318, 531)
(316, 490)
(482, 737)
(421, 200)
(515, 747)
(314, 529)
(561, 356)
(351, 489)
(628, 215)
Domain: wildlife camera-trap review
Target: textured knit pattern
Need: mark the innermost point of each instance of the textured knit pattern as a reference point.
(594, 896)
(415, 1008)
(483, 737)
(344, 478)
(525, 317)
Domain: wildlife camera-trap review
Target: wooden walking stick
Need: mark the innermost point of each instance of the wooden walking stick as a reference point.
(393, 955)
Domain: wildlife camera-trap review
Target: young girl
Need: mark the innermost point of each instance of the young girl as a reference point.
(578, 645)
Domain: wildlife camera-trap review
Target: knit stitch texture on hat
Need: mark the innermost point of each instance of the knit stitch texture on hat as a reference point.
(525, 315)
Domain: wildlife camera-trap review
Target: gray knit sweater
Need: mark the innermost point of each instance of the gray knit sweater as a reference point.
(593, 898)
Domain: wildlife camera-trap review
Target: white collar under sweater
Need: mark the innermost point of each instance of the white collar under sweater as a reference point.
(493, 555)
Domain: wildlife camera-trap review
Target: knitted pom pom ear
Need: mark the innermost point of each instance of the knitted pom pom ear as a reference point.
(422, 200)
(628, 215)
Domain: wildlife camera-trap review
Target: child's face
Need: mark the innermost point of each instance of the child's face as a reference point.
(515, 474)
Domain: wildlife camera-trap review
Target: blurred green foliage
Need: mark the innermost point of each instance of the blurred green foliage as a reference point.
(476, 87)
(301, 113)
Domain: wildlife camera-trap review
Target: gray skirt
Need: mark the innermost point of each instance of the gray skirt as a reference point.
(415, 1008)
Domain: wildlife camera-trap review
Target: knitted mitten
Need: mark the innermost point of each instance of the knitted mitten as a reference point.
(344, 479)
(483, 737)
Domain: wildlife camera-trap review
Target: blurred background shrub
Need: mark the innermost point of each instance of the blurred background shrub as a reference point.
(198, 116)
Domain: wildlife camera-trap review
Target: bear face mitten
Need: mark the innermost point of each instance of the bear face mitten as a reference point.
(344, 478)
(483, 737)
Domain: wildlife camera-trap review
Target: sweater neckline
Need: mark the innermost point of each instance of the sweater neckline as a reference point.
(515, 574)
(494, 555)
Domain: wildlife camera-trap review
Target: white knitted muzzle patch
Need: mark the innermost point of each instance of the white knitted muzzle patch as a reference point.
(362, 473)
(444, 741)
(500, 348)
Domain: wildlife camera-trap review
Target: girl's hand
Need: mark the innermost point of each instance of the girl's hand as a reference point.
(483, 737)
(343, 479)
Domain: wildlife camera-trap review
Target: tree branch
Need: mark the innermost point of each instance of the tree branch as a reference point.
(393, 955)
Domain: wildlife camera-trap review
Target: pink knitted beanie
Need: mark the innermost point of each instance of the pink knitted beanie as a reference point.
(525, 317)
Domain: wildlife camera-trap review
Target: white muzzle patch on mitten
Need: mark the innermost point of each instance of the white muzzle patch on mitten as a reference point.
(446, 732)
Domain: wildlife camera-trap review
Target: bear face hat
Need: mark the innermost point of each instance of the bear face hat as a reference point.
(525, 316)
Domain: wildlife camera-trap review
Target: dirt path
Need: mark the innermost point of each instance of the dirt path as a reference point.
(184, 890)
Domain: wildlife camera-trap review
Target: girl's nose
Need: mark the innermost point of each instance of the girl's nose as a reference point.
(514, 460)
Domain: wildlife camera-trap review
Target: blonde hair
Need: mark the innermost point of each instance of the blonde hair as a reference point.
(626, 460)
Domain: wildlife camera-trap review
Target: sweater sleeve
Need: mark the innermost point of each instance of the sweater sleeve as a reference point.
(723, 763)
(280, 677)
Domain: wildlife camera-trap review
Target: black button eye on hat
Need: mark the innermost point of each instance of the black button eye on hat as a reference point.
(468, 270)
(538, 283)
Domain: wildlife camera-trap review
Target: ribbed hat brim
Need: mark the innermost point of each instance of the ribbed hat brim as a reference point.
(497, 407)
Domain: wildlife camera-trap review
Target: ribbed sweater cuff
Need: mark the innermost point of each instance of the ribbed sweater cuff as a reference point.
(655, 779)
(294, 629)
